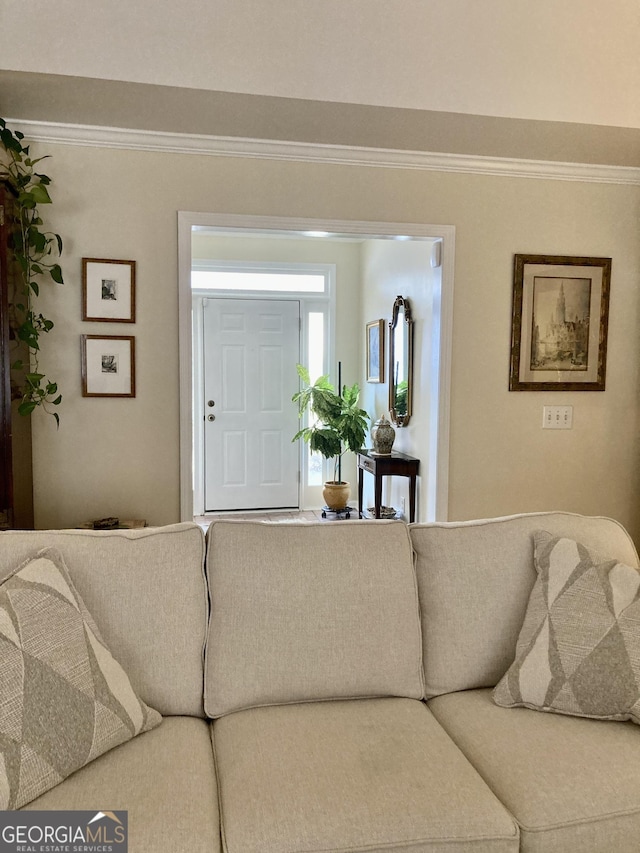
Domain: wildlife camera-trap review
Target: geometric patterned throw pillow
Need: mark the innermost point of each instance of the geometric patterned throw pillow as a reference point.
(579, 648)
(64, 700)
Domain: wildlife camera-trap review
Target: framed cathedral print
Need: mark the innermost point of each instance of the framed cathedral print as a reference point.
(559, 324)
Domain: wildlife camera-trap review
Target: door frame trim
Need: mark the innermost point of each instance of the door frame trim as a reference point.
(437, 491)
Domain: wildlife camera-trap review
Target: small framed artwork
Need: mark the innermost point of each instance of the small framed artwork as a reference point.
(108, 290)
(560, 322)
(108, 366)
(375, 351)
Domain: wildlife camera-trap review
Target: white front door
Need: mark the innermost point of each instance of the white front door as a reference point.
(251, 348)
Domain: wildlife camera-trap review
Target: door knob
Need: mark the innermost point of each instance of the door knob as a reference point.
(210, 403)
(211, 417)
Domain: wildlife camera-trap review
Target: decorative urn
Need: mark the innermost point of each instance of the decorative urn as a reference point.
(382, 437)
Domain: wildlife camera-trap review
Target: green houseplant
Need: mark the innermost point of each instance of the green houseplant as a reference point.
(34, 251)
(337, 425)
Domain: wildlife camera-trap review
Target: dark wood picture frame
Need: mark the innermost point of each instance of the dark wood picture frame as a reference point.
(375, 351)
(559, 323)
(108, 290)
(108, 369)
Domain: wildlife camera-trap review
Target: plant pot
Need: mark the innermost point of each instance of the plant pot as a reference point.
(336, 495)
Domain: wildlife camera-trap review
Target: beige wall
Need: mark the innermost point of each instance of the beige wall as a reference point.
(121, 456)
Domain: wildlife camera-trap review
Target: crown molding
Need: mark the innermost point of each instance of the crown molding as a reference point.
(267, 149)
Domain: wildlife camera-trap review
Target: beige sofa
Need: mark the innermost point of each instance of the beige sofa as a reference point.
(335, 693)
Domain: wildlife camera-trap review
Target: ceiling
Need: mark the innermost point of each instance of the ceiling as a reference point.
(505, 78)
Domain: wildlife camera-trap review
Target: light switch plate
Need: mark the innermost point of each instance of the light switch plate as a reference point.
(557, 417)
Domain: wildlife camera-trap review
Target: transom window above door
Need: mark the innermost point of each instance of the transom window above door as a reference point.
(259, 277)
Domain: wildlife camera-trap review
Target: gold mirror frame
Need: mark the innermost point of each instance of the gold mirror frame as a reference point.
(400, 405)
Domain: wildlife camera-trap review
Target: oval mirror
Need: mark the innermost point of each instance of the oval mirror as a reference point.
(400, 362)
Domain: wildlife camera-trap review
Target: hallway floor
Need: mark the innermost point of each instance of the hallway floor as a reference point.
(273, 516)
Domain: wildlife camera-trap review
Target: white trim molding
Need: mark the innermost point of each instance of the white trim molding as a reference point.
(266, 149)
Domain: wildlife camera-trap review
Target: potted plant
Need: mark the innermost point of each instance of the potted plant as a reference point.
(337, 425)
(33, 249)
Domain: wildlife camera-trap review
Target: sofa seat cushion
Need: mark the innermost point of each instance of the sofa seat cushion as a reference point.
(367, 774)
(306, 612)
(572, 784)
(164, 778)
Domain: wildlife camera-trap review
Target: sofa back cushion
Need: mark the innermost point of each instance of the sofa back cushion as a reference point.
(311, 611)
(474, 582)
(146, 591)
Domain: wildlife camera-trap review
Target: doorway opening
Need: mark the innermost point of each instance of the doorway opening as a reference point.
(343, 305)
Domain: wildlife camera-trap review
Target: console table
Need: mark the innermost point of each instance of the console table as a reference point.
(395, 465)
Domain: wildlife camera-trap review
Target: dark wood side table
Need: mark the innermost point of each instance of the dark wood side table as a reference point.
(395, 465)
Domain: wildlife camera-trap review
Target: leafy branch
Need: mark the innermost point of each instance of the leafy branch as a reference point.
(34, 251)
